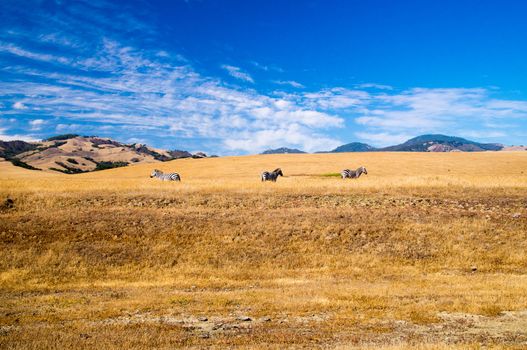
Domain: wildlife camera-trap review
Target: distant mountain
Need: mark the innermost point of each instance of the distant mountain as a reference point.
(426, 143)
(77, 154)
(514, 148)
(282, 150)
(441, 143)
(354, 147)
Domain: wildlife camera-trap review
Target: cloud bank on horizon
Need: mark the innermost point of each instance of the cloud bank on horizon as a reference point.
(101, 69)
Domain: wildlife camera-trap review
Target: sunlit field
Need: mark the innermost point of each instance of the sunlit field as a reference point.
(426, 251)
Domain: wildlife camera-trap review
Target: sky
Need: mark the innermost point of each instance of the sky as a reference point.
(239, 77)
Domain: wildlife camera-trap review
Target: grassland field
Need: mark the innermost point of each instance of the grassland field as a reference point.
(427, 251)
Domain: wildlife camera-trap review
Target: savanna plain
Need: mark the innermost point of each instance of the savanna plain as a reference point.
(426, 251)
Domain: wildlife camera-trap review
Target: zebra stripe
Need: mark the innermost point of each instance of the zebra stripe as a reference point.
(271, 176)
(165, 177)
(353, 174)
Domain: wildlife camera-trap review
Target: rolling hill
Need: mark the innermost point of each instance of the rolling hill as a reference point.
(283, 150)
(442, 143)
(72, 154)
(354, 147)
(427, 143)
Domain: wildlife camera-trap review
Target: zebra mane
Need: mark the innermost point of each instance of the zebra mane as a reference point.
(277, 170)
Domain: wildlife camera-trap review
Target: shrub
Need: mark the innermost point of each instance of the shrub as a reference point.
(18, 162)
(69, 170)
(90, 159)
(55, 145)
(109, 165)
(61, 137)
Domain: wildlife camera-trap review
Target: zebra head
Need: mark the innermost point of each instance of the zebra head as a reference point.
(363, 170)
(278, 171)
(155, 173)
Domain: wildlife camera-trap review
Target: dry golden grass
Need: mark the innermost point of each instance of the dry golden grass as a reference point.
(114, 259)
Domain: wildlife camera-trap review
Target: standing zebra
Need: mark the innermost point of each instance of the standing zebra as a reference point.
(353, 174)
(271, 176)
(168, 177)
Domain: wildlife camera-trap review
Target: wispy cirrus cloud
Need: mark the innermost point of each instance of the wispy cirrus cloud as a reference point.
(237, 73)
(37, 124)
(383, 138)
(292, 83)
(336, 99)
(374, 86)
(267, 68)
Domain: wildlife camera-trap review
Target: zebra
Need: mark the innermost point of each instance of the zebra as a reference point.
(168, 177)
(271, 176)
(353, 174)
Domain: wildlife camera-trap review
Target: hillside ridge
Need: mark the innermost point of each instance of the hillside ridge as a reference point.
(71, 154)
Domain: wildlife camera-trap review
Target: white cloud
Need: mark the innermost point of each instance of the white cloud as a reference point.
(237, 73)
(383, 138)
(19, 105)
(16, 137)
(37, 124)
(267, 68)
(336, 98)
(290, 83)
(17, 51)
(374, 86)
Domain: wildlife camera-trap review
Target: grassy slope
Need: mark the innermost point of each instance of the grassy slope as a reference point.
(118, 259)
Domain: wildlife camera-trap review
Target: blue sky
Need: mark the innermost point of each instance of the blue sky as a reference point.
(238, 77)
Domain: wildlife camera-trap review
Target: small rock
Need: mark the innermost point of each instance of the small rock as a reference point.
(244, 318)
(203, 319)
(205, 335)
(85, 336)
(516, 215)
(266, 319)
(474, 268)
